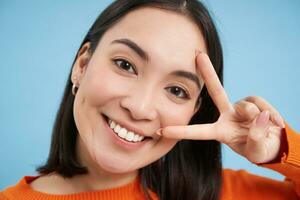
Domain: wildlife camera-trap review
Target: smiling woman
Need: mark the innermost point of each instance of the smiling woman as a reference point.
(144, 113)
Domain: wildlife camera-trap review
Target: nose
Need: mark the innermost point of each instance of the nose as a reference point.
(140, 103)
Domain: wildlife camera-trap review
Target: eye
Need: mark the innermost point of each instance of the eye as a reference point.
(178, 92)
(124, 65)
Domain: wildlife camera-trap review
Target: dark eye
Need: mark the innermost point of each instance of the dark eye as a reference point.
(124, 65)
(178, 92)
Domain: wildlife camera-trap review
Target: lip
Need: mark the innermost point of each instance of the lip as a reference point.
(120, 142)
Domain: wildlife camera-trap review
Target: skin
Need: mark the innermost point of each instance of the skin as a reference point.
(251, 127)
(141, 98)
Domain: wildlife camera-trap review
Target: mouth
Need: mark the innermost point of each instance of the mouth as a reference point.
(123, 133)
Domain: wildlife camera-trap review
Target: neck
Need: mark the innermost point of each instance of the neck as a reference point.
(100, 181)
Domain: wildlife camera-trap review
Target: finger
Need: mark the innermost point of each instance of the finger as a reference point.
(212, 82)
(191, 132)
(262, 104)
(277, 119)
(255, 148)
(247, 110)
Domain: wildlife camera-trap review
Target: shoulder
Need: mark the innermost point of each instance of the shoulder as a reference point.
(2, 196)
(243, 176)
(241, 182)
(17, 191)
(37, 187)
(51, 184)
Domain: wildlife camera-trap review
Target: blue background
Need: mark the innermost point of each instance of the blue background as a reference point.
(39, 40)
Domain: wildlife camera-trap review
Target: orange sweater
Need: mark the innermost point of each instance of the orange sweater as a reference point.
(237, 185)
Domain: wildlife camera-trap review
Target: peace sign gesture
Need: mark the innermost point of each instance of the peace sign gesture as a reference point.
(251, 127)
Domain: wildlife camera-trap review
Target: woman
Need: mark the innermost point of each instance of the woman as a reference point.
(144, 112)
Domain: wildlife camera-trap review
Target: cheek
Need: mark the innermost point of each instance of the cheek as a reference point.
(177, 114)
(95, 90)
(101, 84)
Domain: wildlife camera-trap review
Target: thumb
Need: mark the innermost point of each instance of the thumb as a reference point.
(192, 132)
(257, 139)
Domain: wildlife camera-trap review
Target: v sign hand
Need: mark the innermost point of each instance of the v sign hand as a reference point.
(251, 127)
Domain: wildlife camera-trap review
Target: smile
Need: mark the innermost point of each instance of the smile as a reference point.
(123, 133)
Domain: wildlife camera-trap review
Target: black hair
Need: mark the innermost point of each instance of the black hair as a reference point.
(192, 169)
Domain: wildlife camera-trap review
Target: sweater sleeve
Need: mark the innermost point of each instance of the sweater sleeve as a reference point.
(243, 185)
(288, 162)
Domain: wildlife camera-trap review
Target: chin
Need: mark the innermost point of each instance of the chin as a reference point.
(118, 170)
(115, 165)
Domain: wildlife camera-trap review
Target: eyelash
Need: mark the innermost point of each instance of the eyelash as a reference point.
(120, 59)
(185, 93)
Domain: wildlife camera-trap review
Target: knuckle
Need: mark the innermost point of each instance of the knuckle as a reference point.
(251, 108)
(253, 98)
(247, 107)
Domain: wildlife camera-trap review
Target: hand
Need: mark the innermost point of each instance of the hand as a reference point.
(251, 127)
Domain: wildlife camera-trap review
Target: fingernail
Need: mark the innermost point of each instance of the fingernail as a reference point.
(279, 121)
(263, 118)
(159, 132)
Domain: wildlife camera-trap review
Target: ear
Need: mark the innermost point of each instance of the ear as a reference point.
(80, 65)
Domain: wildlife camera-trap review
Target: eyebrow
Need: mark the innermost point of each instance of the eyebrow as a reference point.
(132, 45)
(189, 75)
(144, 55)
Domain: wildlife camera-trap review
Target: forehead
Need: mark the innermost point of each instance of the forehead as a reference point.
(167, 37)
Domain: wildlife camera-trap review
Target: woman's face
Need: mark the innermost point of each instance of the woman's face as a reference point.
(142, 76)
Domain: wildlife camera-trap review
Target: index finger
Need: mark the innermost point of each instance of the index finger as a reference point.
(212, 82)
(192, 132)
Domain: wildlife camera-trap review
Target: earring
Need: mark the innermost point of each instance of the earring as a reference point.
(74, 87)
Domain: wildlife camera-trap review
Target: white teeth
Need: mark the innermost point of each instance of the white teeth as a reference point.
(117, 128)
(112, 124)
(130, 136)
(136, 138)
(123, 133)
(140, 138)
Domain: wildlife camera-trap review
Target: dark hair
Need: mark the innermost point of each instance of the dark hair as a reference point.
(192, 169)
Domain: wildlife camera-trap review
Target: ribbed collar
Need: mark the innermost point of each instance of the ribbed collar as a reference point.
(23, 191)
